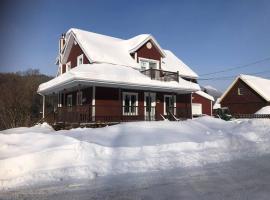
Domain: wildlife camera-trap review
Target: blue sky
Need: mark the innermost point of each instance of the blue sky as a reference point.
(208, 35)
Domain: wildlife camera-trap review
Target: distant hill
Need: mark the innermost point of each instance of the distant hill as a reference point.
(20, 105)
(212, 91)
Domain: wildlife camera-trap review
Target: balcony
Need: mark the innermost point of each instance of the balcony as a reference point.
(161, 75)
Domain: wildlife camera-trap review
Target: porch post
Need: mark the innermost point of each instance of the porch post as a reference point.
(191, 105)
(43, 106)
(93, 103)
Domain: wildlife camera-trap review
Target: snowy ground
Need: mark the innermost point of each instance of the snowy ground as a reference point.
(39, 157)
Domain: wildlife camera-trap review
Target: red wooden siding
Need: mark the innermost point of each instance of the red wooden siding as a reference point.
(183, 104)
(248, 103)
(152, 53)
(206, 103)
(74, 53)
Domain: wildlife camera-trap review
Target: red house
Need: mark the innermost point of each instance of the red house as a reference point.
(102, 78)
(202, 104)
(246, 95)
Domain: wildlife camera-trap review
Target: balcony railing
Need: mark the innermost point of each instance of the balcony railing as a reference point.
(161, 75)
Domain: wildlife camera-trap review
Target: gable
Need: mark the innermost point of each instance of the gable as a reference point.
(249, 94)
(74, 53)
(148, 50)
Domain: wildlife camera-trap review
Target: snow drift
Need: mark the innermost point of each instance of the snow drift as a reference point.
(38, 155)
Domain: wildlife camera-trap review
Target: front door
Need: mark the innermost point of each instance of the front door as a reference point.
(149, 106)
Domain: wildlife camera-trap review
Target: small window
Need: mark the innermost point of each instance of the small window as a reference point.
(79, 98)
(130, 103)
(69, 100)
(148, 63)
(68, 66)
(240, 91)
(80, 60)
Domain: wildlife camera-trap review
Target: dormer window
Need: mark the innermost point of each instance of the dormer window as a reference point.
(148, 64)
(80, 60)
(240, 91)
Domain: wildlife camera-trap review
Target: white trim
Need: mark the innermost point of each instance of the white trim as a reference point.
(93, 103)
(191, 98)
(78, 59)
(136, 57)
(68, 66)
(174, 103)
(69, 44)
(153, 104)
(123, 104)
(149, 60)
(149, 38)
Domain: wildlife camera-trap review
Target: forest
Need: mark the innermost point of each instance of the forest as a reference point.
(20, 105)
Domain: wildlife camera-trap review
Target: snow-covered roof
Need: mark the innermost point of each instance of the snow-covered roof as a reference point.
(113, 76)
(264, 110)
(172, 63)
(217, 104)
(258, 84)
(105, 49)
(205, 95)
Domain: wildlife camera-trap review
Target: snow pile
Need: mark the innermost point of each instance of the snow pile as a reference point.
(37, 155)
(264, 110)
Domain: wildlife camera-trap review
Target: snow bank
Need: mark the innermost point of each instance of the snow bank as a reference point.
(38, 155)
(264, 110)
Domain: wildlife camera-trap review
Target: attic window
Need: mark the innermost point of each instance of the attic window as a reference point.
(80, 60)
(149, 45)
(240, 91)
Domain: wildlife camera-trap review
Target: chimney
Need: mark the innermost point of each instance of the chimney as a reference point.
(62, 42)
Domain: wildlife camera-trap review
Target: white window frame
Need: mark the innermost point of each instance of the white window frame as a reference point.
(69, 96)
(148, 60)
(79, 96)
(174, 103)
(240, 91)
(68, 66)
(78, 59)
(136, 104)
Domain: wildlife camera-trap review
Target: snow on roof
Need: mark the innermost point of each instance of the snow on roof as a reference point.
(105, 49)
(205, 95)
(113, 76)
(264, 110)
(172, 63)
(217, 104)
(258, 84)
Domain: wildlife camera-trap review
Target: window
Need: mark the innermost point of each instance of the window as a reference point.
(68, 66)
(79, 98)
(148, 63)
(80, 60)
(69, 100)
(240, 91)
(169, 104)
(130, 103)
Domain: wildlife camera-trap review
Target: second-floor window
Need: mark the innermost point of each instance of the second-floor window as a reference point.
(80, 60)
(148, 63)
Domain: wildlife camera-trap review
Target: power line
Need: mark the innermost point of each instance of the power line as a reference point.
(231, 77)
(237, 67)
